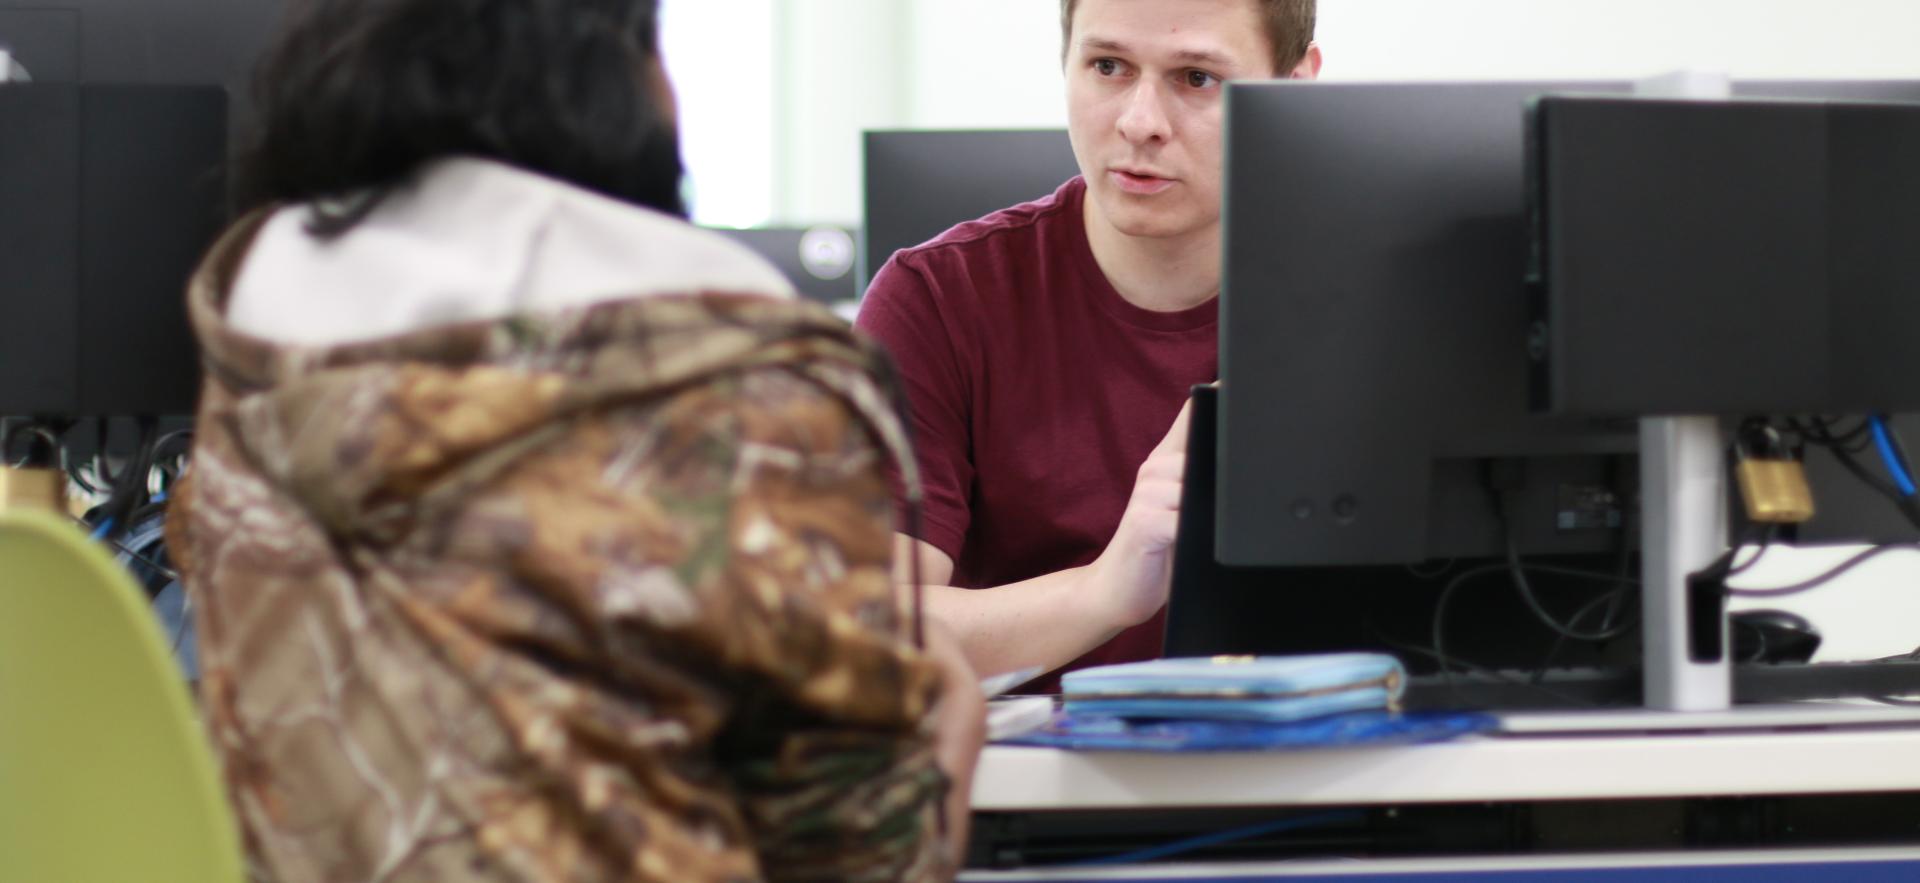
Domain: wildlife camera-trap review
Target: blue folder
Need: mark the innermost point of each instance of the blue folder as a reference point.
(1093, 732)
(1243, 703)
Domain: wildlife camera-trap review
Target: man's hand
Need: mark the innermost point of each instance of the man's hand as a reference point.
(1050, 620)
(1129, 580)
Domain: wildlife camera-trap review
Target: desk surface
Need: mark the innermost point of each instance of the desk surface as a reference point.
(1481, 768)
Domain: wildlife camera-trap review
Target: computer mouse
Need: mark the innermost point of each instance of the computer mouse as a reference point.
(1773, 636)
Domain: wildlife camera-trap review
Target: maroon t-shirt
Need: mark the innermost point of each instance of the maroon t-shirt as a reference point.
(1036, 391)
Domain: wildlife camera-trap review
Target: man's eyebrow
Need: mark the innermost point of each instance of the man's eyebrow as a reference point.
(1200, 57)
(1203, 58)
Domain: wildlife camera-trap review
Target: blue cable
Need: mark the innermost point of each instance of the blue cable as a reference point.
(1884, 442)
(106, 527)
(1219, 837)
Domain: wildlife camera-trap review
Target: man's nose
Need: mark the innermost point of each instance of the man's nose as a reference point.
(1144, 118)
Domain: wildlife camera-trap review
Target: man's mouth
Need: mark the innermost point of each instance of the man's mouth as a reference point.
(1139, 182)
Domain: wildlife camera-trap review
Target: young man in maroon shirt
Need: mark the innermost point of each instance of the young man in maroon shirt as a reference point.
(1047, 349)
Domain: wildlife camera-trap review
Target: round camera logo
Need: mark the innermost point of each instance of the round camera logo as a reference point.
(827, 252)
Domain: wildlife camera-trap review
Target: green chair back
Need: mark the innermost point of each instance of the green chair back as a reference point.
(105, 772)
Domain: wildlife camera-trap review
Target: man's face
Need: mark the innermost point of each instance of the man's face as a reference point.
(1144, 104)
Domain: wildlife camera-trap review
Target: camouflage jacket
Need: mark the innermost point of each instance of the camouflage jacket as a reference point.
(596, 595)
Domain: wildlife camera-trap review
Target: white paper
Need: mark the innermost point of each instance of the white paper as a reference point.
(1010, 716)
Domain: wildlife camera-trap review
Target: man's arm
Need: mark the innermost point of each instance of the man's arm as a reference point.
(1051, 620)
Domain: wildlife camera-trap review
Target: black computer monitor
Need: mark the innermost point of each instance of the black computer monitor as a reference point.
(1725, 257)
(818, 260)
(1372, 406)
(109, 196)
(1375, 320)
(113, 182)
(150, 42)
(918, 184)
(1373, 314)
(1374, 391)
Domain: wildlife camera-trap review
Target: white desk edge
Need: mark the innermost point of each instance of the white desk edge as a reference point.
(1483, 768)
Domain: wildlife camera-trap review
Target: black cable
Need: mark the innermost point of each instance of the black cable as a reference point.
(1857, 439)
(1428, 652)
(173, 576)
(1823, 579)
(1612, 602)
(172, 466)
(1629, 541)
(43, 447)
(1453, 586)
(129, 484)
(102, 467)
(1844, 452)
(1525, 588)
(1907, 505)
(77, 477)
(160, 445)
(1470, 667)
(158, 568)
(1722, 567)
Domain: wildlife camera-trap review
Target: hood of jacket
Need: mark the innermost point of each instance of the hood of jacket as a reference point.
(372, 436)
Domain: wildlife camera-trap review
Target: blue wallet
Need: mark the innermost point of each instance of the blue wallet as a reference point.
(1238, 688)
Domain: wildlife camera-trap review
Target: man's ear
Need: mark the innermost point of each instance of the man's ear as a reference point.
(1309, 66)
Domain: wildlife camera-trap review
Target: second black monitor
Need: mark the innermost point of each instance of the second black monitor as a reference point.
(1372, 307)
(1374, 352)
(918, 184)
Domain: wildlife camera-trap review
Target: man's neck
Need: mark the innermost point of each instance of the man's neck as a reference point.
(1162, 274)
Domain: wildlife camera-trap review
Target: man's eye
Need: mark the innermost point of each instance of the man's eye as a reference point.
(1201, 80)
(1106, 67)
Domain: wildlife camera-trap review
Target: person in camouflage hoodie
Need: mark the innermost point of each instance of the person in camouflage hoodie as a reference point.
(514, 575)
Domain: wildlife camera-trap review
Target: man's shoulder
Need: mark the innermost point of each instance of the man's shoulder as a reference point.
(982, 272)
(992, 239)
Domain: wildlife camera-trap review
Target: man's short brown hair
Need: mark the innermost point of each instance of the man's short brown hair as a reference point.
(1289, 29)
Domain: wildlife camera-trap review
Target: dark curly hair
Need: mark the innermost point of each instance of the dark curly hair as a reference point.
(355, 96)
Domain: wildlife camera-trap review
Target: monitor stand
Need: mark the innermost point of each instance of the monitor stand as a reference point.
(1683, 497)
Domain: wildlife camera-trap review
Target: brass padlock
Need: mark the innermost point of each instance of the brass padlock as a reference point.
(1772, 483)
(44, 490)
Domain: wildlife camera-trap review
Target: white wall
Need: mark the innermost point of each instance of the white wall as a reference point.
(842, 70)
(827, 69)
(720, 56)
(1515, 39)
(986, 64)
